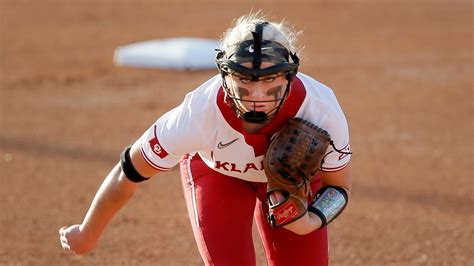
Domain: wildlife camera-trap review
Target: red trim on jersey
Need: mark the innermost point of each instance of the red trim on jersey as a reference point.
(335, 169)
(346, 149)
(155, 166)
(260, 141)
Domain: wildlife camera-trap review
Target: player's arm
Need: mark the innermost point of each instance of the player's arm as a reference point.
(115, 191)
(341, 178)
(334, 192)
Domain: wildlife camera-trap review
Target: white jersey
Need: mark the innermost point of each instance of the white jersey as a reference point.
(205, 124)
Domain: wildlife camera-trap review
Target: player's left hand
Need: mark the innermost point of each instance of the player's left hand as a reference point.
(302, 226)
(292, 159)
(73, 239)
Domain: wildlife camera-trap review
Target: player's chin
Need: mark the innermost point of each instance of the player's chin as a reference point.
(261, 109)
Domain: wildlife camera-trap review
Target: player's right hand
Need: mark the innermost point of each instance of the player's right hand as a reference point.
(74, 240)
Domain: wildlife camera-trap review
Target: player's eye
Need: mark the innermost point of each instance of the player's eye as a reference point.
(245, 80)
(269, 79)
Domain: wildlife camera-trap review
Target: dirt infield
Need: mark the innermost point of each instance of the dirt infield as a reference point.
(402, 71)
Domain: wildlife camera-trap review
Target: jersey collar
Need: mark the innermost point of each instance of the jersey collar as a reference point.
(259, 141)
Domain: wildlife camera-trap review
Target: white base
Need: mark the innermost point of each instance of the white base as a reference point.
(177, 53)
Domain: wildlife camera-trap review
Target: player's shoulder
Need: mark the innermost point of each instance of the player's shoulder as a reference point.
(315, 88)
(204, 96)
(318, 94)
(206, 89)
(320, 100)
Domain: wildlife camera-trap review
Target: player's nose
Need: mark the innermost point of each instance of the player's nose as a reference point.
(258, 91)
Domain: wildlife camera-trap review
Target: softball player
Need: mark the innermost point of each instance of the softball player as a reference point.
(219, 135)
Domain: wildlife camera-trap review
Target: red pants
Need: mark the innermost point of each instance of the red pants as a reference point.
(221, 209)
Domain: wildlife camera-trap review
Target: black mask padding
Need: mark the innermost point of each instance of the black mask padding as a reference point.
(257, 51)
(257, 45)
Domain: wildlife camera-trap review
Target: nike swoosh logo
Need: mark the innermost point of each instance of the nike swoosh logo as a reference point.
(222, 146)
(251, 50)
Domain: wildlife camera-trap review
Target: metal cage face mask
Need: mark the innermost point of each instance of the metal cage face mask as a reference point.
(255, 52)
(259, 99)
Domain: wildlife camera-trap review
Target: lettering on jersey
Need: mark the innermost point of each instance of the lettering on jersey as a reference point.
(233, 167)
(157, 148)
(221, 165)
(347, 148)
(250, 166)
